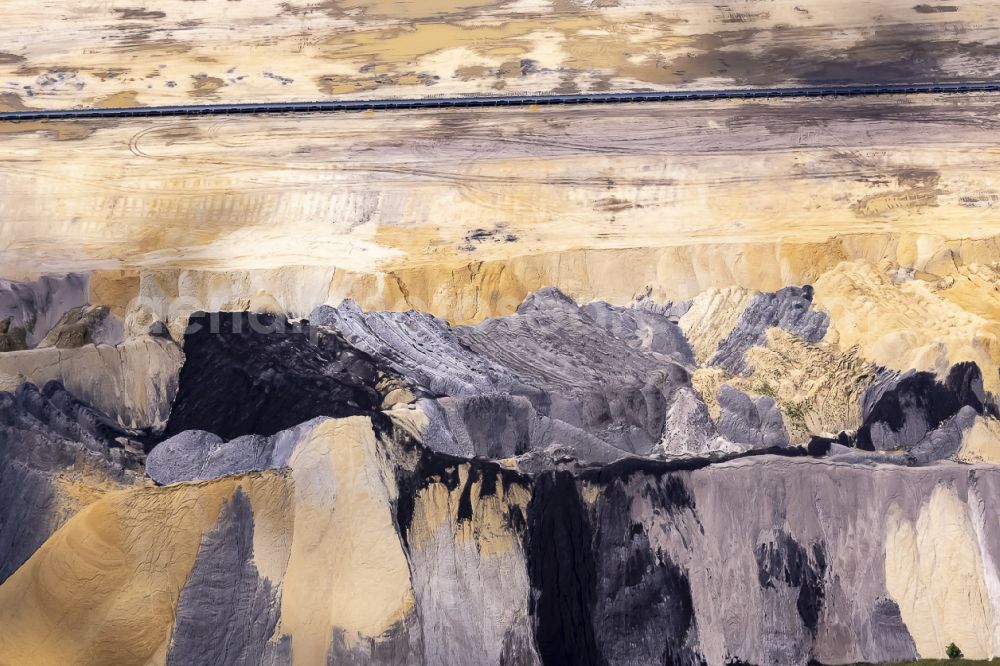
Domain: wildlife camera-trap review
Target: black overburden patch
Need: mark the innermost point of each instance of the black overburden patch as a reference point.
(436, 467)
(465, 499)
(644, 612)
(248, 373)
(670, 493)
(820, 446)
(920, 396)
(562, 572)
(785, 561)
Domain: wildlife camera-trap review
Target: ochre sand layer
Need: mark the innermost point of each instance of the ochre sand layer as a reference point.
(901, 301)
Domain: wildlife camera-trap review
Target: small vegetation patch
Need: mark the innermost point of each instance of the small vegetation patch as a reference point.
(763, 388)
(792, 411)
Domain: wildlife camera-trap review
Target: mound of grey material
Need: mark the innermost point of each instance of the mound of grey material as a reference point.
(422, 348)
(789, 308)
(225, 585)
(37, 306)
(591, 383)
(44, 433)
(611, 372)
(197, 455)
(614, 387)
(757, 424)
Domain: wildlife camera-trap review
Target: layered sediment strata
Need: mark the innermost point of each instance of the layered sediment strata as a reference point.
(134, 382)
(725, 478)
(709, 382)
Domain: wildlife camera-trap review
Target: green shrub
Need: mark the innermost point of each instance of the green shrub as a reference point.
(763, 388)
(792, 411)
(953, 652)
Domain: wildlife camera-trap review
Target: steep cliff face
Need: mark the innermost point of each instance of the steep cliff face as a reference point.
(463, 289)
(709, 481)
(134, 382)
(366, 546)
(768, 573)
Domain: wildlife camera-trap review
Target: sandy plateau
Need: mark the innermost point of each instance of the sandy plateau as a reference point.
(176, 51)
(385, 191)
